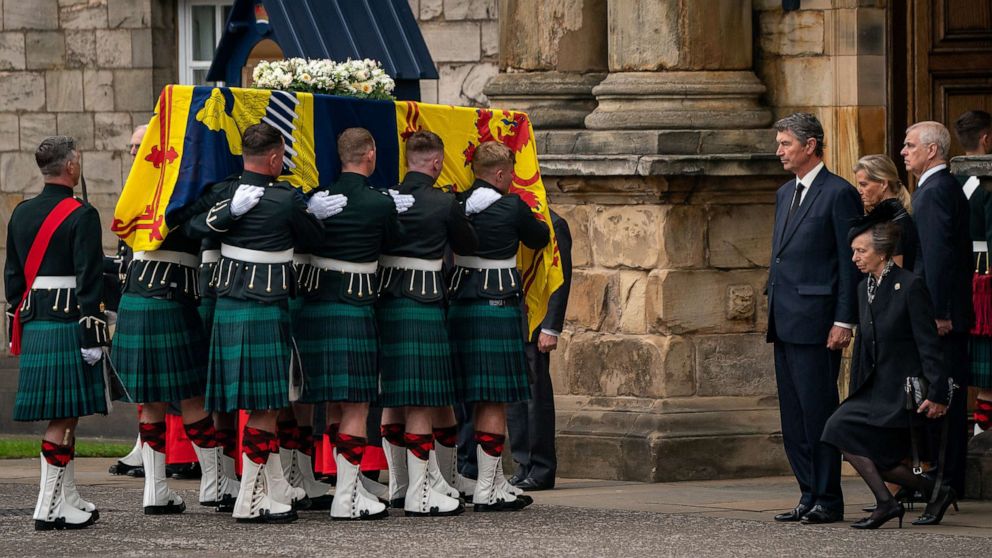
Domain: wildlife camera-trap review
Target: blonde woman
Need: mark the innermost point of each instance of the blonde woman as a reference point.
(878, 184)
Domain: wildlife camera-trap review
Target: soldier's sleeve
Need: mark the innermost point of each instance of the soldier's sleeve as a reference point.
(210, 214)
(87, 259)
(533, 232)
(308, 231)
(461, 233)
(13, 279)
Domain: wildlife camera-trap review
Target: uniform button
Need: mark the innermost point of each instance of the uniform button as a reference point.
(778, 260)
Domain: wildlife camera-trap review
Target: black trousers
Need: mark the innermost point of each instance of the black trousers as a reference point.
(531, 424)
(807, 394)
(957, 361)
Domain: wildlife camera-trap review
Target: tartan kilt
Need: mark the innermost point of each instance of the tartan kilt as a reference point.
(981, 361)
(206, 312)
(415, 354)
(296, 304)
(251, 356)
(338, 351)
(54, 381)
(487, 343)
(159, 350)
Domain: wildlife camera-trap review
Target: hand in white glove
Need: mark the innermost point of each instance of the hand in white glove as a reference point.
(245, 198)
(402, 201)
(323, 205)
(480, 199)
(92, 356)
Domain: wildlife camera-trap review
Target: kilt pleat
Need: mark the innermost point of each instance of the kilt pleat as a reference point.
(159, 350)
(338, 351)
(416, 367)
(54, 381)
(251, 353)
(488, 349)
(206, 312)
(981, 362)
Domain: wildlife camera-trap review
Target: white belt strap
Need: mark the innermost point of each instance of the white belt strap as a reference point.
(979, 246)
(348, 267)
(210, 256)
(167, 256)
(416, 264)
(301, 259)
(474, 262)
(54, 282)
(256, 256)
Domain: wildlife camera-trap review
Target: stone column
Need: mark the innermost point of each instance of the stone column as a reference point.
(551, 54)
(679, 64)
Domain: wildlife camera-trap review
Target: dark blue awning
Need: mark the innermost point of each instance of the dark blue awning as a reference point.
(383, 30)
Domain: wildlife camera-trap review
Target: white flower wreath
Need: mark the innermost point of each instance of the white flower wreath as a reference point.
(364, 79)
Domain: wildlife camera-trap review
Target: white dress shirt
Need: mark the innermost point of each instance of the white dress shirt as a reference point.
(807, 181)
(928, 173)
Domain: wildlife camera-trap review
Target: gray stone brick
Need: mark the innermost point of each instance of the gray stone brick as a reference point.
(83, 14)
(22, 90)
(430, 9)
(462, 84)
(469, 9)
(129, 13)
(36, 126)
(64, 89)
(78, 125)
(490, 38)
(98, 89)
(11, 51)
(113, 48)
(133, 90)
(8, 133)
(112, 130)
(19, 173)
(44, 50)
(452, 41)
(141, 48)
(103, 171)
(31, 14)
(80, 48)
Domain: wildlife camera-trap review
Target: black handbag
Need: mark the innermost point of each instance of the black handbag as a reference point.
(917, 389)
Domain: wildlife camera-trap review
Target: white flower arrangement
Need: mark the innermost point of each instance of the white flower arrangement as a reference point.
(364, 79)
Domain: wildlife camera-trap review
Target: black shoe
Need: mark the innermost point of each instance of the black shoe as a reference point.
(531, 485)
(120, 468)
(183, 471)
(874, 522)
(166, 509)
(137, 472)
(503, 506)
(516, 479)
(934, 512)
(820, 514)
(795, 514)
(266, 517)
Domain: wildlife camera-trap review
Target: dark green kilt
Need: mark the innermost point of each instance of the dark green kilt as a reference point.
(54, 381)
(338, 351)
(416, 354)
(206, 311)
(981, 362)
(488, 349)
(251, 356)
(159, 350)
(296, 304)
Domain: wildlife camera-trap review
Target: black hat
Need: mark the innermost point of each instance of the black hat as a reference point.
(884, 212)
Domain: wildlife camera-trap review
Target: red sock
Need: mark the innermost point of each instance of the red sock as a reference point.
(351, 448)
(420, 444)
(288, 434)
(153, 434)
(56, 455)
(258, 444)
(490, 443)
(447, 436)
(393, 433)
(227, 437)
(202, 433)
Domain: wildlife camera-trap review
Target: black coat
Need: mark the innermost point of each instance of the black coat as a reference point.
(897, 338)
(554, 319)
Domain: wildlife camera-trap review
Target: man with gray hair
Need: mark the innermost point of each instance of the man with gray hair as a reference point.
(812, 306)
(940, 210)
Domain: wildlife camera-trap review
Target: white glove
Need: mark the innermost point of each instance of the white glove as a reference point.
(92, 356)
(323, 205)
(402, 201)
(480, 199)
(245, 198)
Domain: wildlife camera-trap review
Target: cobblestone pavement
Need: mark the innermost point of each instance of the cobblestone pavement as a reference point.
(582, 518)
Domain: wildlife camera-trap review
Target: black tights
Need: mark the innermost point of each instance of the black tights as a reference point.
(900, 474)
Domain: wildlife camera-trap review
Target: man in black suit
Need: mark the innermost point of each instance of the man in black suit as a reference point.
(940, 210)
(812, 307)
(531, 424)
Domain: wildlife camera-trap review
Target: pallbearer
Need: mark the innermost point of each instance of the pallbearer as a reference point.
(53, 280)
(484, 316)
(251, 349)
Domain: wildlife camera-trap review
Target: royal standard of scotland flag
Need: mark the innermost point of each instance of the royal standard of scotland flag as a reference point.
(194, 140)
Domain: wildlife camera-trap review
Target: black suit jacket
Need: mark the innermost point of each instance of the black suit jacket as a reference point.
(941, 210)
(811, 279)
(897, 338)
(557, 304)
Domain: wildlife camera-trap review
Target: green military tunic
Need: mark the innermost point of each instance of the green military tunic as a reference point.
(336, 333)
(54, 381)
(415, 350)
(484, 316)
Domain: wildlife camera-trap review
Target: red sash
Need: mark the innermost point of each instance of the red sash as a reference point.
(33, 261)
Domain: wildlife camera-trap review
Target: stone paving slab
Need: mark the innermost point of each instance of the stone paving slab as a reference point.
(579, 518)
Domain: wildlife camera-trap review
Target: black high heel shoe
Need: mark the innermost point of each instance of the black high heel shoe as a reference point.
(897, 511)
(934, 512)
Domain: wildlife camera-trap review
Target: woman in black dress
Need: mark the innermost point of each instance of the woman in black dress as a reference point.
(898, 339)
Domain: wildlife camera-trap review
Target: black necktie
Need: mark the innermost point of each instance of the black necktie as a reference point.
(796, 200)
